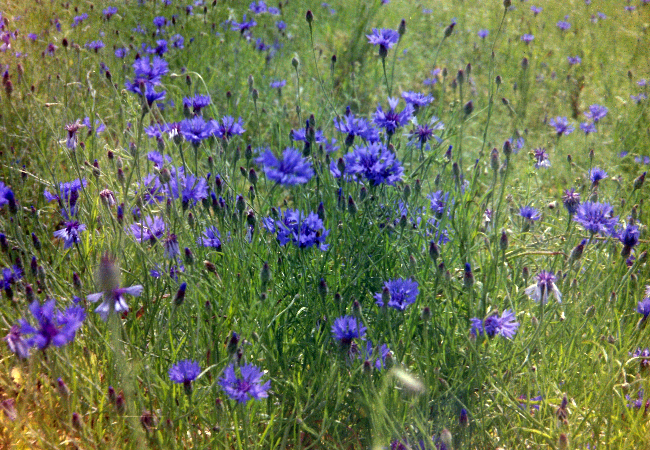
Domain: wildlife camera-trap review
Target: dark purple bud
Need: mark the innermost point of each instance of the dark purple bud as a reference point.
(233, 343)
(321, 211)
(469, 276)
(252, 176)
(62, 388)
(36, 242)
(33, 266)
(401, 29)
(76, 421)
(4, 245)
(180, 294)
(29, 293)
(463, 420)
(352, 206)
(503, 242)
(309, 17)
(112, 396)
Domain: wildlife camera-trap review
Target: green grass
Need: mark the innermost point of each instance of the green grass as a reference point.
(320, 397)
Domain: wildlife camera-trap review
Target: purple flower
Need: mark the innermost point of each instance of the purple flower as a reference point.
(375, 163)
(228, 127)
(529, 214)
(563, 25)
(16, 343)
(643, 355)
(596, 113)
(346, 328)
(70, 234)
(292, 169)
(573, 60)
(248, 387)
(588, 127)
(94, 45)
(54, 327)
(545, 285)
(417, 99)
(188, 187)
(561, 125)
(571, 200)
(159, 22)
(536, 9)
(121, 52)
(493, 325)
(242, 26)
(423, 133)
(597, 174)
(278, 84)
(211, 238)
(527, 38)
(541, 158)
(629, 236)
(596, 217)
(79, 19)
(170, 244)
(258, 7)
(196, 103)
(114, 300)
(391, 120)
(184, 371)
(147, 72)
(6, 194)
(376, 356)
(643, 306)
(195, 130)
(384, 38)
(109, 12)
(72, 128)
(151, 229)
(178, 41)
(402, 293)
(294, 227)
(483, 33)
(351, 126)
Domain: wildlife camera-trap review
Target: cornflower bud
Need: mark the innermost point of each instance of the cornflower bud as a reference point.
(503, 242)
(401, 29)
(469, 276)
(309, 17)
(322, 288)
(434, 253)
(180, 294)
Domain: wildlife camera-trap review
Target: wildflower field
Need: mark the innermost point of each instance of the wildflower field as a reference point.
(344, 225)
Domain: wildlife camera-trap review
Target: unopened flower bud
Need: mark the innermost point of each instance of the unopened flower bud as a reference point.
(180, 294)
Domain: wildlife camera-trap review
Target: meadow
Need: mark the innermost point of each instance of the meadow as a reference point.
(343, 225)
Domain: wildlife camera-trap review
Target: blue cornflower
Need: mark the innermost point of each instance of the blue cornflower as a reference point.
(596, 113)
(643, 307)
(529, 214)
(242, 26)
(493, 325)
(147, 72)
(281, 25)
(196, 103)
(109, 12)
(72, 139)
(375, 355)
(294, 227)
(643, 355)
(5, 194)
(545, 285)
(98, 127)
(439, 201)
(292, 169)
(573, 60)
(150, 189)
(151, 96)
(114, 300)
(158, 159)
(561, 125)
(346, 328)
(248, 387)
(384, 38)
(16, 343)
(402, 293)
(11, 276)
(483, 33)
(178, 41)
(228, 127)
(189, 188)
(121, 52)
(391, 119)
(211, 238)
(258, 7)
(185, 371)
(54, 327)
(424, 133)
(596, 174)
(563, 25)
(571, 200)
(527, 38)
(351, 126)
(170, 244)
(375, 163)
(95, 45)
(278, 84)
(70, 234)
(629, 237)
(541, 158)
(536, 9)
(417, 99)
(160, 21)
(79, 19)
(596, 217)
(151, 229)
(588, 127)
(195, 130)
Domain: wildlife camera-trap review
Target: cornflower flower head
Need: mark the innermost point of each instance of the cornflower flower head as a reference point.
(71, 233)
(561, 125)
(596, 113)
(258, 7)
(292, 169)
(54, 327)
(16, 343)
(211, 238)
(527, 38)
(644, 357)
(596, 217)
(424, 133)
(391, 119)
(95, 45)
(159, 21)
(588, 127)
(529, 214)
(375, 355)
(544, 287)
(483, 33)
(417, 99)
(493, 325)
(72, 139)
(195, 130)
(249, 386)
(11, 276)
(185, 372)
(351, 126)
(571, 200)
(188, 188)
(402, 293)
(596, 175)
(114, 300)
(151, 229)
(150, 189)
(345, 329)
(541, 158)
(6, 194)
(629, 237)
(643, 307)
(228, 127)
(98, 127)
(375, 163)
(147, 72)
(302, 231)
(563, 25)
(536, 9)
(170, 244)
(573, 60)
(109, 12)
(384, 38)
(278, 84)
(243, 26)
(196, 103)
